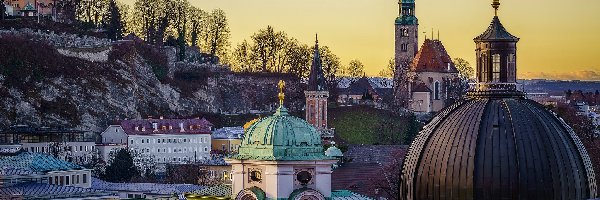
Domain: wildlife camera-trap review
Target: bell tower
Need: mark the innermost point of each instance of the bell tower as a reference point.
(406, 47)
(316, 94)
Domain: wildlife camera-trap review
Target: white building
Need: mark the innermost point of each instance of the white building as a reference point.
(165, 140)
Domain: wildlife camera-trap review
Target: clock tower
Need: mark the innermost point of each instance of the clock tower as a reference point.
(406, 47)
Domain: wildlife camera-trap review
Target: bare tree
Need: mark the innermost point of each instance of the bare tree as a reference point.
(355, 68)
(389, 70)
(218, 33)
(465, 71)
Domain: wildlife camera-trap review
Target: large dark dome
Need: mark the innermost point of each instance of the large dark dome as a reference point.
(497, 144)
(502, 148)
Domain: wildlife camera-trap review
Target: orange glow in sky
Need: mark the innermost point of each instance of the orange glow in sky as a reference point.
(559, 39)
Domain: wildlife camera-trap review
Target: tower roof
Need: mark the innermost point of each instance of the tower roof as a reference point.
(433, 57)
(281, 137)
(496, 32)
(316, 79)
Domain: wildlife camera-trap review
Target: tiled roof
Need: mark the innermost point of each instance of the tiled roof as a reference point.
(166, 126)
(358, 177)
(433, 57)
(149, 188)
(496, 32)
(421, 88)
(219, 191)
(380, 154)
(366, 167)
(46, 191)
(360, 87)
(228, 133)
(35, 162)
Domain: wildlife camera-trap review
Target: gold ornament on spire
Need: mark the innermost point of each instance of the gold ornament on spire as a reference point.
(281, 94)
(496, 5)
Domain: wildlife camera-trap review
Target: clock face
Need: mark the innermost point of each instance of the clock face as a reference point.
(255, 176)
(303, 177)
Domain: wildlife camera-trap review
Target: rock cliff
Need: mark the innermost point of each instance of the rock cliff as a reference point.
(40, 84)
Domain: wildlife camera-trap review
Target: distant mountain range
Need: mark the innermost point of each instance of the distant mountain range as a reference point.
(558, 87)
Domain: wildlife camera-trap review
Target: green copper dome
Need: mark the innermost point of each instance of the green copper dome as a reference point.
(281, 137)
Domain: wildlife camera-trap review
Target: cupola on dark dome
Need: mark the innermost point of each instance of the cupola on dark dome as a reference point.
(496, 144)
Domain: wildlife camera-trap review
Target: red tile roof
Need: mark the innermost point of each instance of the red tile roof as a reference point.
(433, 57)
(166, 126)
(421, 88)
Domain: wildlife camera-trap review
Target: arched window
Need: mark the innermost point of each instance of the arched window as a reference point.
(437, 90)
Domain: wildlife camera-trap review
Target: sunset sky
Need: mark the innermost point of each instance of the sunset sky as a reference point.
(559, 39)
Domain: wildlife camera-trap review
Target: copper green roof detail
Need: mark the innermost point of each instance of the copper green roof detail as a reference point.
(28, 7)
(214, 191)
(407, 20)
(36, 162)
(281, 137)
(333, 151)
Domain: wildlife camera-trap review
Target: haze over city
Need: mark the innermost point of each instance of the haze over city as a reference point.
(559, 38)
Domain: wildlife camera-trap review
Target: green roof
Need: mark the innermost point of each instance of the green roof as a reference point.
(281, 137)
(347, 195)
(333, 151)
(407, 20)
(36, 162)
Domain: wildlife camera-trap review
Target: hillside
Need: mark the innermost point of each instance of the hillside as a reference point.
(367, 125)
(85, 82)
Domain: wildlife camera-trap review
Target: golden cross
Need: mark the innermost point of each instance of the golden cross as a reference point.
(281, 94)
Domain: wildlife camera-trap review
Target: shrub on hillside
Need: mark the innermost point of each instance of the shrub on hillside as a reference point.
(155, 58)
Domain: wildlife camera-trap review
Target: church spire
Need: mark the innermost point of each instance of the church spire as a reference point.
(316, 79)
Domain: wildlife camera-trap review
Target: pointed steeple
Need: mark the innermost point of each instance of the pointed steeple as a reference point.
(316, 79)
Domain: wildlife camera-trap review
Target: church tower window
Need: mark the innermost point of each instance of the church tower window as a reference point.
(404, 32)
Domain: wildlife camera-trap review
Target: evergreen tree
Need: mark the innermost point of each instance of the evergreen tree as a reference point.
(114, 24)
(2, 10)
(122, 168)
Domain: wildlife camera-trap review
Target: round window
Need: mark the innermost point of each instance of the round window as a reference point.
(304, 177)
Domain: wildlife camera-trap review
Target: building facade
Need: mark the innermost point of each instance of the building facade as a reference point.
(227, 139)
(67, 144)
(164, 140)
(432, 76)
